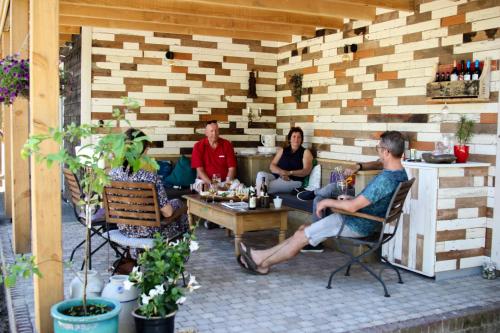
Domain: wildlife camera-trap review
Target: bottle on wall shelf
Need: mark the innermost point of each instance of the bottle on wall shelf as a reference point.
(461, 74)
(477, 71)
(447, 76)
(454, 72)
(467, 74)
(438, 77)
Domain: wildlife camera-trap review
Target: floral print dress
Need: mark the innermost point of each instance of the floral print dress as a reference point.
(169, 231)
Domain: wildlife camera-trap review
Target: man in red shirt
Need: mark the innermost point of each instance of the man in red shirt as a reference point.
(213, 155)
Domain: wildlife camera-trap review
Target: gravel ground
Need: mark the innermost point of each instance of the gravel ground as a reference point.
(4, 318)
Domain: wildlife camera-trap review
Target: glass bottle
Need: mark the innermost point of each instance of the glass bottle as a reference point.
(462, 71)
(454, 72)
(477, 72)
(263, 188)
(252, 199)
(467, 74)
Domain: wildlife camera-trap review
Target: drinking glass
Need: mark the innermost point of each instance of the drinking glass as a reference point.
(216, 178)
(342, 186)
(241, 192)
(213, 191)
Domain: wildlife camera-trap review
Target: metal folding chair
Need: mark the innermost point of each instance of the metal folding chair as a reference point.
(376, 240)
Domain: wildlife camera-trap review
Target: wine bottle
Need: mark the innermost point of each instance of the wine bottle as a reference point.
(263, 188)
(438, 77)
(462, 71)
(454, 72)
(252, 199)
(442, 77)
(447, 76)
(477, 72)
(467, 74)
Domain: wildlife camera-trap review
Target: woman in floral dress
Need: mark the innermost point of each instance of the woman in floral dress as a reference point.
(167, 207)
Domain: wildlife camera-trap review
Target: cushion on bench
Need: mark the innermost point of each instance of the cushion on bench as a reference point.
(290, 200)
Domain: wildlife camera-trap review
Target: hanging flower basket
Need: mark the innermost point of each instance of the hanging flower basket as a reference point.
(14, 78)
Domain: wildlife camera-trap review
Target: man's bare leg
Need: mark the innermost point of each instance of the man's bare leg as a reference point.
(279, 253)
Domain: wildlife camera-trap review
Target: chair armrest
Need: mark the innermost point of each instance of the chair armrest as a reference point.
(177, 213)
(357, 214)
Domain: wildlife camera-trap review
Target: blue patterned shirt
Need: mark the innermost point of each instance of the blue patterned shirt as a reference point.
(379, 192)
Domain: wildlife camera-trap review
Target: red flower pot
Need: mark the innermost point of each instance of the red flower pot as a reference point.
(461, 153)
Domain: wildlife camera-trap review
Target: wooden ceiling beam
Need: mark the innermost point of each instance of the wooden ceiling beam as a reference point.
(204, 9)
(64, 29)
(76, 21)
(324, 8)
(406, 5)
(183, 19)
(63, 38)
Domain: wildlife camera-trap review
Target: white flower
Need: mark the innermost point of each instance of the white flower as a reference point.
(193, 284)
(128, 284)
(160, 289)
(135, 269)
(145, 299)
(193, 246)
(153, 293)
(181, 300)
(192, 280)
(174, 243)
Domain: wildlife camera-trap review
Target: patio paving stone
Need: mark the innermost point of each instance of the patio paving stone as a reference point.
(292, 298)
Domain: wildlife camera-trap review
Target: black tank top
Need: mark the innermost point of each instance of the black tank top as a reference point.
(292, 161)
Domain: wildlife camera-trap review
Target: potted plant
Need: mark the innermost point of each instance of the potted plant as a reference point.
(112, 148)
(464, 134)
(157, 278)
(296, 81)
(14, 78)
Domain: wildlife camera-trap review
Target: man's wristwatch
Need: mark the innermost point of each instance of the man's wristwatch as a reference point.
(360, 166)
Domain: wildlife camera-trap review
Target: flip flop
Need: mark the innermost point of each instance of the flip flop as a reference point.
(248, 270)
(247, 255)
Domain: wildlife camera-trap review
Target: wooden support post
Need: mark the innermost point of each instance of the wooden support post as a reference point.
(45, 182)
(7, 138)
(19, 134)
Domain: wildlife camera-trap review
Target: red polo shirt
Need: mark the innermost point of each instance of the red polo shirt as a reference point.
(217, 160)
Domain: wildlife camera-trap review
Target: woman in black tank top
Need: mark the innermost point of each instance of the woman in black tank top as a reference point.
(289, 166)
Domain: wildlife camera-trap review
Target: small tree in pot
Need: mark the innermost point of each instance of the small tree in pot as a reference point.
(463, 134)
(110, 145)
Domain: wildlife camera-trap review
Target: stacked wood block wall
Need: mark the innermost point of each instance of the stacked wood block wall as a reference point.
(207, 80)
(346, 105)
(461, 218)
(443, 225)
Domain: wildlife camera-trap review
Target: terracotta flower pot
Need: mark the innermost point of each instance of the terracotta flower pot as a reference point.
(461, 153)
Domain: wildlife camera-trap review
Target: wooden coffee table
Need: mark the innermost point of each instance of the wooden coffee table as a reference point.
(236, 220)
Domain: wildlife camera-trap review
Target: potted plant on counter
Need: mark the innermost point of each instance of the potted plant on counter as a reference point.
(112, 147)
(463, 134)
(158, 279)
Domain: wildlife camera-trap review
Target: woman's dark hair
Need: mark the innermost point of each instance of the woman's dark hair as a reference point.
(130, 135)
(295, 130)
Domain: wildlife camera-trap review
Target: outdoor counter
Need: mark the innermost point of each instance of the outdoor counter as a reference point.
(442, 231)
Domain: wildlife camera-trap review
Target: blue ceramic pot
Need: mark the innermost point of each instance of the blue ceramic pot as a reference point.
(107, 322)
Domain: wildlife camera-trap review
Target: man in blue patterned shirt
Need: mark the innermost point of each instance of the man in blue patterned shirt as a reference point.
(374, 200)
